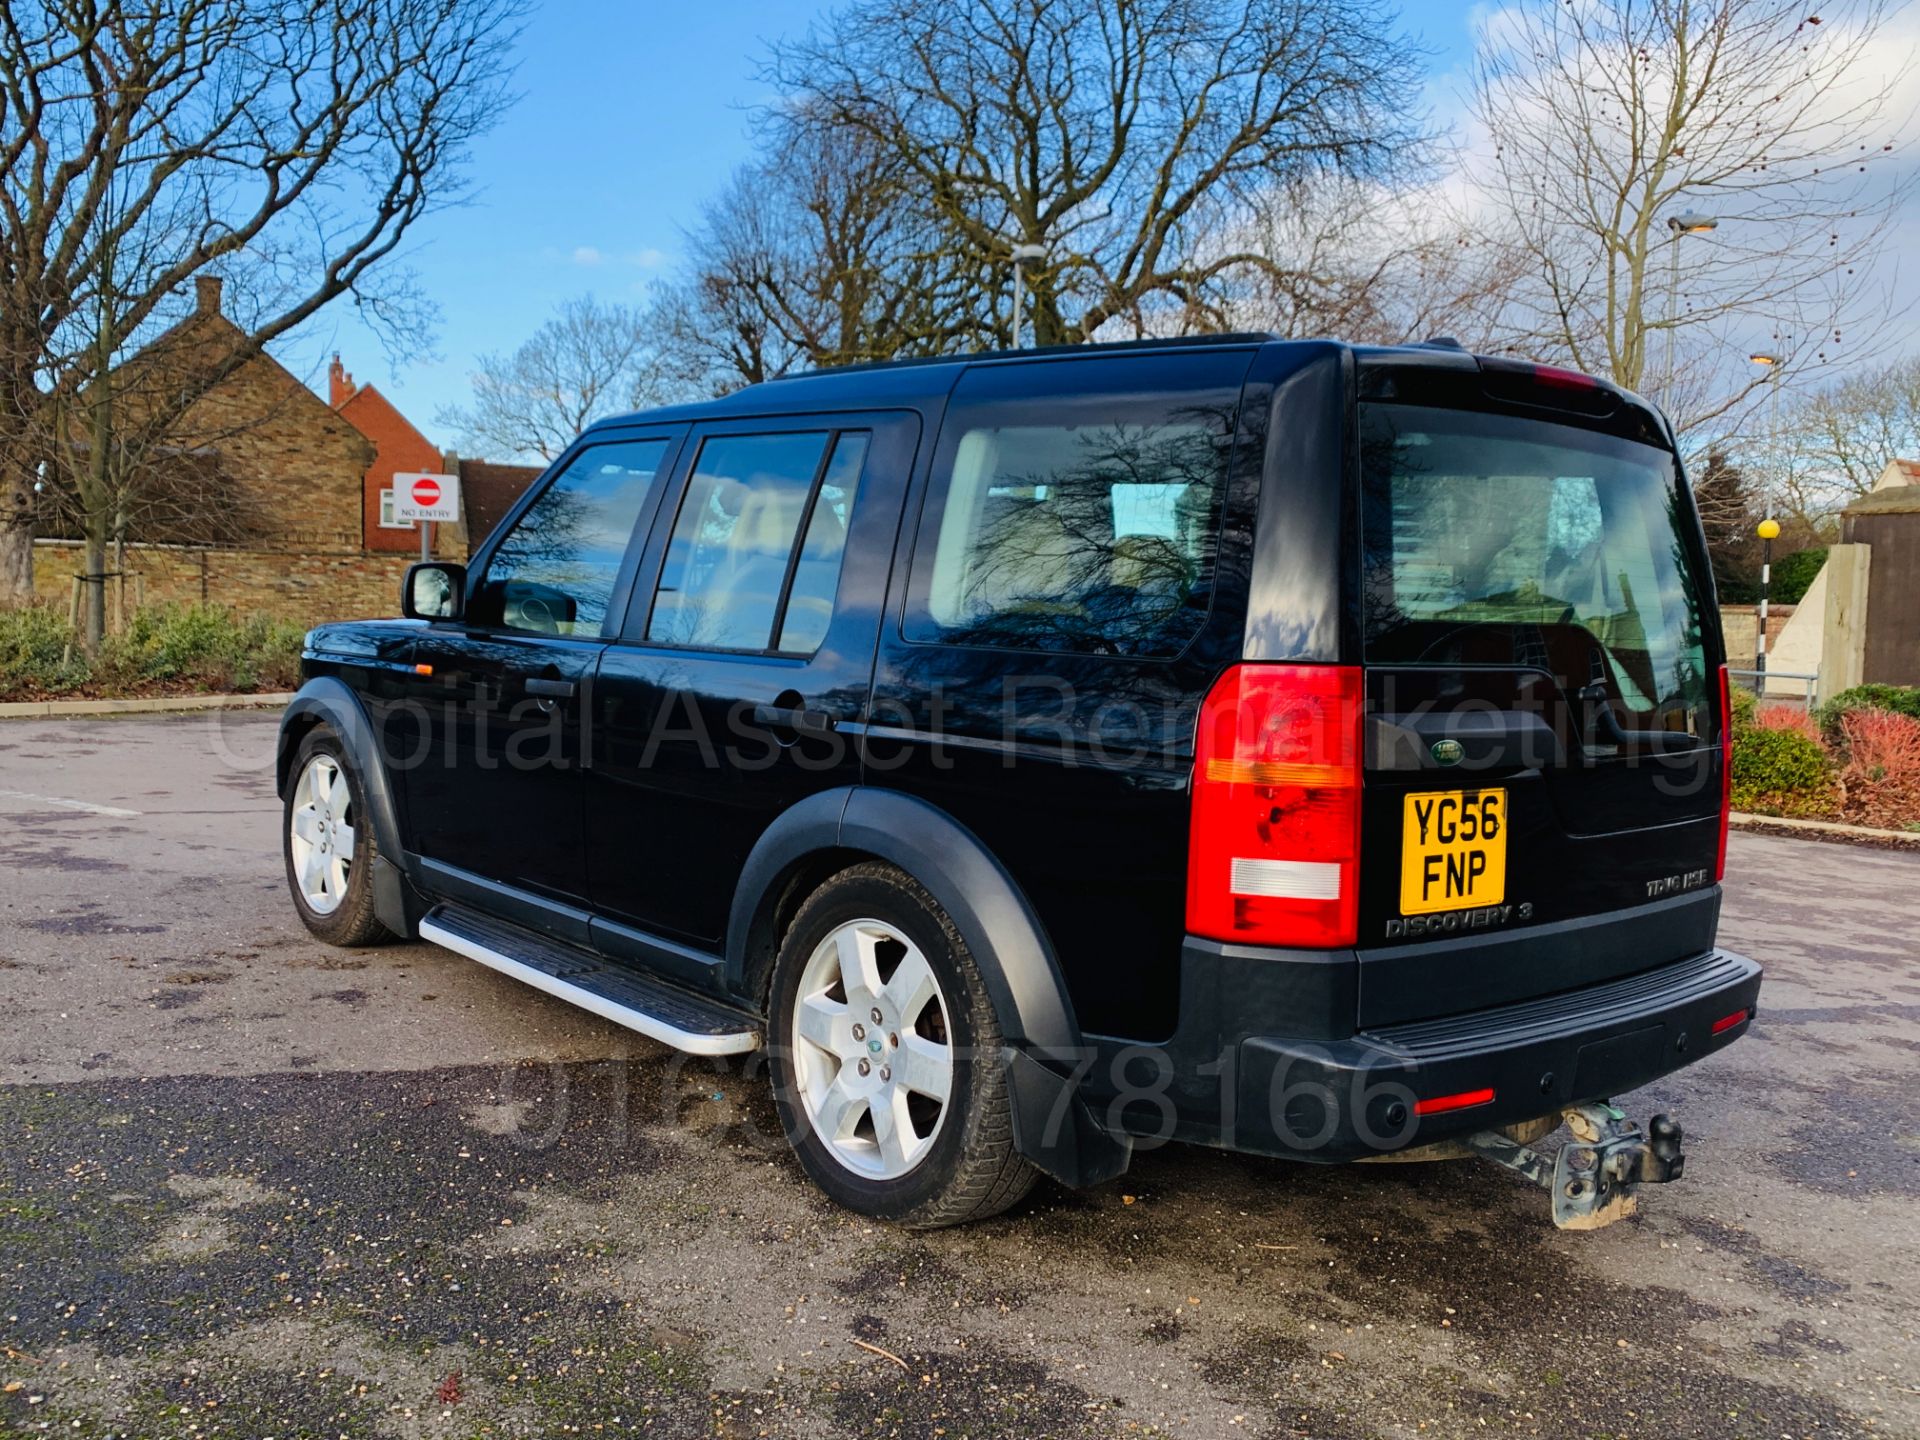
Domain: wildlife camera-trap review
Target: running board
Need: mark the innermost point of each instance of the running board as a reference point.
(660, 1012)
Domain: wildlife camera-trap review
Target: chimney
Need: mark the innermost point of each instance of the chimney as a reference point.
(340, 386)
(206, 293)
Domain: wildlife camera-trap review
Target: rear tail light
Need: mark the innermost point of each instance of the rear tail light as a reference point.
(1275, 848)
(1726, 773)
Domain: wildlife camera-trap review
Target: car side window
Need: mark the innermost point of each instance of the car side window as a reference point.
(757, 545)
(553, 573)
(1079, 518)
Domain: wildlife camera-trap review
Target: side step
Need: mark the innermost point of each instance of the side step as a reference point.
(657, 1010)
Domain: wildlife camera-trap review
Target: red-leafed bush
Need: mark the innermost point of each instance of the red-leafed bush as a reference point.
(1882, 770)
(1792, 718)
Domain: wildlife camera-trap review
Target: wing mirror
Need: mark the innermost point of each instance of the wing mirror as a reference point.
(434, 591)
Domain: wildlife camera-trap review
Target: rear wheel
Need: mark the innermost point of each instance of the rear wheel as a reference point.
(329, 844)
(886, 1058)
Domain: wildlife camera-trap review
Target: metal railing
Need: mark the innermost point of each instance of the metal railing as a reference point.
(1754, 680)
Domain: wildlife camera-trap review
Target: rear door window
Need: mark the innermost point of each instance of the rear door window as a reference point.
(1493, 540)
(1075, 506)
(756, 549)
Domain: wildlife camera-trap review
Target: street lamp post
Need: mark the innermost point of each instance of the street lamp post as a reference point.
(1769, 527)
(1687, 222)
(1022, 254)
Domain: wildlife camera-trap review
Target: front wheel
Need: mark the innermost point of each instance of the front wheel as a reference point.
(329, 845)
(888, 1066)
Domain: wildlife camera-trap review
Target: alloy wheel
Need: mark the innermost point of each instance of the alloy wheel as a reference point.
(873, 1049)
(320, 834)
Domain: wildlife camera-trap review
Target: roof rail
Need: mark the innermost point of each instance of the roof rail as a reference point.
(1102, 347)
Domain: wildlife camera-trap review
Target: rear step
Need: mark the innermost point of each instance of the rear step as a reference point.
(660, 1012)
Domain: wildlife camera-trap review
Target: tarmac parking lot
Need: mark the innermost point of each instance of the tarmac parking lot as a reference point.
(251, 1186)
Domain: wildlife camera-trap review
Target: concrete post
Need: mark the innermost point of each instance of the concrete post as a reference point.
(1843, 641)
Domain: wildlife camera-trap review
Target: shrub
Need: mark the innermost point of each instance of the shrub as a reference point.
(1783, 772)
(1794, 573)
(1745, 703)
(1900, 699)
(32, 640)
(1882, 774)
(165, 648)
(1787, 717)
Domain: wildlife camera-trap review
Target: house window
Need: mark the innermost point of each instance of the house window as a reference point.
(387, 522)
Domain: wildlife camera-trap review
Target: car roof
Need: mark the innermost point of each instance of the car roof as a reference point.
(895, 383)
(924, 382)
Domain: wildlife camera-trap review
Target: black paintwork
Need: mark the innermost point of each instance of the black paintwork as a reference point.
(1049, 812)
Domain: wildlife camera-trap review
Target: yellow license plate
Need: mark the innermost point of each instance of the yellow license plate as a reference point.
(1453, 851)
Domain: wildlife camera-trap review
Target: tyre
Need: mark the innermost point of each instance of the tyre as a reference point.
(886, 1057)
(328, 839)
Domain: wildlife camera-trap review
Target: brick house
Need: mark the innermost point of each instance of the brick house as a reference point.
(398, 448)
(487, 488)
(312, 476)
(487, 492)
(301, 467)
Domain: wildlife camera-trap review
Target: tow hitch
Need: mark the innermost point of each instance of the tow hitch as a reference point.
(1594, 1178)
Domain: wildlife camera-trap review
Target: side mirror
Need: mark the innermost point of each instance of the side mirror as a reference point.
(434, 591)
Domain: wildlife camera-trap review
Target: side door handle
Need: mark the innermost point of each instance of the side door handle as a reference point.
(786, 717)
(550, 689)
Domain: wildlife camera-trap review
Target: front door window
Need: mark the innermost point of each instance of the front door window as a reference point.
(553, 573)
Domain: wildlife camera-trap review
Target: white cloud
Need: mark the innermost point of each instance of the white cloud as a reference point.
(587, 255)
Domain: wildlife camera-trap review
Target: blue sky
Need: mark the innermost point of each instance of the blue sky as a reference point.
(630, 115)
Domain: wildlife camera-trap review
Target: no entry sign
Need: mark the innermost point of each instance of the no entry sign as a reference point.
(426, 497)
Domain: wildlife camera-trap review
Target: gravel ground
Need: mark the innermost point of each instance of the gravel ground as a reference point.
(251, 1187)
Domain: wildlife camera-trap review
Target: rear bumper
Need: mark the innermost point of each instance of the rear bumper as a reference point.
(1335, 1100)
(1362, 1097)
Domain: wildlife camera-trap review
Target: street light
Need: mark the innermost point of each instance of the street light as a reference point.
(1769, 527)
(1687, 222)
(1022, 254)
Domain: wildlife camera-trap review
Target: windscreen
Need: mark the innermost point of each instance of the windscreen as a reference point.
(1493, 540)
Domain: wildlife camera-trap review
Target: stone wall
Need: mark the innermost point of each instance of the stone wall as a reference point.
(1740, 624)
(302, 589)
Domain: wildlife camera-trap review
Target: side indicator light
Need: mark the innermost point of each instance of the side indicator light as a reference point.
(1727, 1022)
(1465, 1100)
(423, 669)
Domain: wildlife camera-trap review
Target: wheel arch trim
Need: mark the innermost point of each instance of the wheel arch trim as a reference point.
(984, 902)
(326, 700)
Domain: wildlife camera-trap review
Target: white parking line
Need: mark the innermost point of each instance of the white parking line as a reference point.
(114, 810)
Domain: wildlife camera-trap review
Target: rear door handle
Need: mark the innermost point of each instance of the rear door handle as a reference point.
(550, 689)
(781, 717)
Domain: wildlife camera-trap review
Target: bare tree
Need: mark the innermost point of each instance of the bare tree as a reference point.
(1844, 436)
(589, 361)
(1119, 134)
(1605, 119)
(822, 253)
(145, 142)
(1359, 260)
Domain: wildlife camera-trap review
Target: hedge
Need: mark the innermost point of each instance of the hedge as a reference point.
(1900, 699)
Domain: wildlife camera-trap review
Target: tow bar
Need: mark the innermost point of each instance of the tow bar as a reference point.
(1594, 1178)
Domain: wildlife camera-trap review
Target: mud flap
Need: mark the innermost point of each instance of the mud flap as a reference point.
(1594, 1180)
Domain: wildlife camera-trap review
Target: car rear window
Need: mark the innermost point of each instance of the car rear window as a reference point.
(1502, 541)
(1076, 507)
